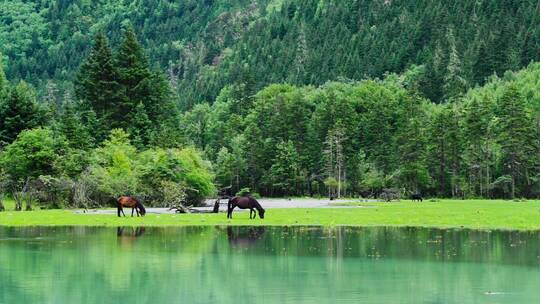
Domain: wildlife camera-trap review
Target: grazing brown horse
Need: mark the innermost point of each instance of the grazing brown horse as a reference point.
(245, 202)
(130, 202)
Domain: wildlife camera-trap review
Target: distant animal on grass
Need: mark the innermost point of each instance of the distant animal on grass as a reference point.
(417, 197)
(245, 202)
(130, 202)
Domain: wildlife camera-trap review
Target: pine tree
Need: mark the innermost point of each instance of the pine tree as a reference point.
(19, 112)
(140, 129)
(478, 144)
(454, 82)
(438, 148)
(97, 83)
(454, 140)
(285, 170)
(515, 130)
(3, 81)
(146, 100)
(300, 60)
(133, 74)
(412, 146)
(335, 157)
(71, 126)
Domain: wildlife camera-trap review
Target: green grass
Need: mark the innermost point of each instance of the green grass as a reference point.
(475, 214)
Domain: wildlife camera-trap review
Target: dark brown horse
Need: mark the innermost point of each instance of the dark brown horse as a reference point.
(245, 202)
(417, 197)
(130, 202)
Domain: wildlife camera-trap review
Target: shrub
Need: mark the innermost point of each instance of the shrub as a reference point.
(172, 194)
(35, 152)
(113, 166)
(184, 167)
(51, 192)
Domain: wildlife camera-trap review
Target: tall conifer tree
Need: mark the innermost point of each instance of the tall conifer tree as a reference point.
(19, 112)
(515, 135)
(96, 84)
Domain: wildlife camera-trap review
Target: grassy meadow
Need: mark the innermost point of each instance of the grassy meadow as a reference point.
(472, 214)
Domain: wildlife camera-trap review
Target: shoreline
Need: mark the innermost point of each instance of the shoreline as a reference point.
(445, 214)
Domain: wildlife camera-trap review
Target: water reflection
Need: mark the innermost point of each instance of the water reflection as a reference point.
(127, 236)
(276, 265)
(245, 237)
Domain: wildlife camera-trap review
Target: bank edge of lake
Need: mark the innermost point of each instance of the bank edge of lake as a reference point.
(447, 214)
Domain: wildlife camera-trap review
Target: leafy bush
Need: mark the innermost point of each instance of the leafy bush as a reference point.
(35, 152)
(184, 167)
(50, 191)
(172, 194)
(114, 168)
(117, 168)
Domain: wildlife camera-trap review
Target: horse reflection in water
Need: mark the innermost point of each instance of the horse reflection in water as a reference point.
(128, 236)
(244, 237)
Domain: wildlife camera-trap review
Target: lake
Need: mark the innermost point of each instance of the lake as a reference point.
(267, 265)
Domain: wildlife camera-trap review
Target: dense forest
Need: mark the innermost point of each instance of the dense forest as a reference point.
(205, 45)
(173, 99)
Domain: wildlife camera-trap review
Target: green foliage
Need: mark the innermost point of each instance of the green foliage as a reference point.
(114, 166)
(172, 194)
(123, 92)
(285, 171)
(184, 167)
(253, 78)
(35, 152)
(19, 111)
(118, 168)
(515, 136)
(360, 138)
(206, 45)
(97, 84)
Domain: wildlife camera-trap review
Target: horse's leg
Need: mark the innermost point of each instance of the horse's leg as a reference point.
(137, 211)
(132, 209)
(119, 209)
(229, 210)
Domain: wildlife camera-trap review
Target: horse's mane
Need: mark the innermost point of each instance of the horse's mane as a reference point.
(256, 203)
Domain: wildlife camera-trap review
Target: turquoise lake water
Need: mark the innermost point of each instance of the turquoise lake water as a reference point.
(267, 265)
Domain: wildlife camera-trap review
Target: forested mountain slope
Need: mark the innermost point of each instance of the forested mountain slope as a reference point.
(205, 45)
